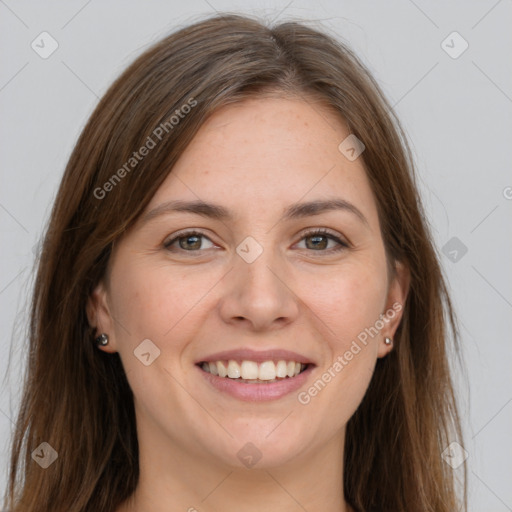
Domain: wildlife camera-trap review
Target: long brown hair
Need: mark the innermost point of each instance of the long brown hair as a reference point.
(77, 399)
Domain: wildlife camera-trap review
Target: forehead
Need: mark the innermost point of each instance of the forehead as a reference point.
(267, 152)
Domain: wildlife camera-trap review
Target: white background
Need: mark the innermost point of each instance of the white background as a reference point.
(457, 113)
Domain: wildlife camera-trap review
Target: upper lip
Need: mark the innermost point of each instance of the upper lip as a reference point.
(258, 356)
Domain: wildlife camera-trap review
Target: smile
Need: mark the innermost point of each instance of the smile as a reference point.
(255, 375)
(252, 372)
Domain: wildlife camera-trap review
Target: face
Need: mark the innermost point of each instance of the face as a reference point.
(260, 256)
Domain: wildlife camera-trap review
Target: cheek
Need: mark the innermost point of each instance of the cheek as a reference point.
(350, 304)
(349, 300)
(350, 307)
(147, 297)
(145, 304)
(152, 303)
(156, 302)
(339, 387)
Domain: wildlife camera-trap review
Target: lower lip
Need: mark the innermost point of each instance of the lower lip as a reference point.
(257, 392)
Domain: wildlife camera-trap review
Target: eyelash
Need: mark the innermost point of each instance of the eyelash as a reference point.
(314, 232)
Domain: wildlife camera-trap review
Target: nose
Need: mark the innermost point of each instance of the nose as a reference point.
(257, 295)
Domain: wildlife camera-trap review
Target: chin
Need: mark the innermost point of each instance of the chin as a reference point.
(263, 444)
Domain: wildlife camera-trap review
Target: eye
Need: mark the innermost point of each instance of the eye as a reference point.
(321, 240)
(190, 241)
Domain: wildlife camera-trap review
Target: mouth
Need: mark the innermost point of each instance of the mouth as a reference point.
(255, 376)
(252, 372)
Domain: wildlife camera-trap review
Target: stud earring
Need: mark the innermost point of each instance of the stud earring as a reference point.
(388, 341)
(101, 340)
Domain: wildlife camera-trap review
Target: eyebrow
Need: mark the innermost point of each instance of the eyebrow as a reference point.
(218, 212)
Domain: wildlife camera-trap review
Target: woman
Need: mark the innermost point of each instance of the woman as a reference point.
(238, 304)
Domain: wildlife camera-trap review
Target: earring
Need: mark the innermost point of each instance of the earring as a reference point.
(101, 340)
(388, 341)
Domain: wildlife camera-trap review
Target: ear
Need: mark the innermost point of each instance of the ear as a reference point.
(395, 304)
(99, 316)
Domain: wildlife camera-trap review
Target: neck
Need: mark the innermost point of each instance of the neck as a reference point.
(173, 479)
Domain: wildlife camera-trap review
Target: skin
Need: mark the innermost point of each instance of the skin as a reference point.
(255, 158)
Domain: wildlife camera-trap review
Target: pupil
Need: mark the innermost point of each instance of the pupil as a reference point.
(195, 242)
(316, 239)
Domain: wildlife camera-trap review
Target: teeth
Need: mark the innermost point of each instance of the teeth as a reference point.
(233, 370)
(249, 370)
(281, 369)
(252, 372)
(267, 371)
(221, 369)
(212, 368)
